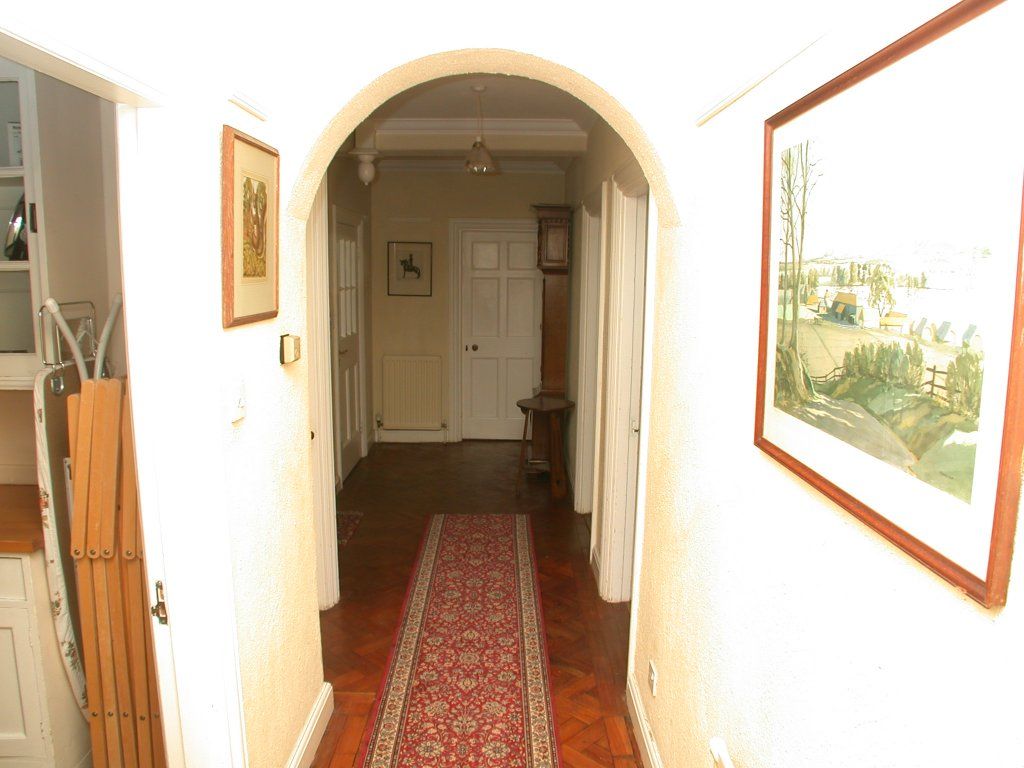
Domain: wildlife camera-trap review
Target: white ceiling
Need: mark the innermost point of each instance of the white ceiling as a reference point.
(528, 125)
(505, 98)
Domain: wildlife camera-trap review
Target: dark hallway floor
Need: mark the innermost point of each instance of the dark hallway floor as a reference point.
(397, 487)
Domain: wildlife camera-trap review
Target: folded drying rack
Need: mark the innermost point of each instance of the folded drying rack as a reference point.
(123, 707)
(122, 703)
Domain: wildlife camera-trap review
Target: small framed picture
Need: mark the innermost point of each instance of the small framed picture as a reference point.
(14, 153)
(249, 228)
(409, 267)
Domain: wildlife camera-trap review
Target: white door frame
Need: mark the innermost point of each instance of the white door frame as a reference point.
(456, 228)
(321, 405)
(364, 314)
(647, 367)
(319, 238)
(591, 266)
(617, 489)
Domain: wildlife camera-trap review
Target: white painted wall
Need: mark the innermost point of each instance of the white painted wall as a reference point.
(775, 619)
(786, 626)
(417, 206)
(82, 253)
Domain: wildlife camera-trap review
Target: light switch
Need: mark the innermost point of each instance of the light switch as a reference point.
(291, 348)
(237, 402)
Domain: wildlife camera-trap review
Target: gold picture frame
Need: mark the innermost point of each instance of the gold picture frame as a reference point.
(250, 215)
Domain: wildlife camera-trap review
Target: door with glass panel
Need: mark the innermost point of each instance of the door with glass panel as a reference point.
(346, 314)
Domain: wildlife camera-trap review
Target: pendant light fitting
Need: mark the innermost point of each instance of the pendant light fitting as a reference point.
(479, 161)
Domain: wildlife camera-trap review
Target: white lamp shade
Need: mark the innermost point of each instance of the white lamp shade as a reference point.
(367, 172)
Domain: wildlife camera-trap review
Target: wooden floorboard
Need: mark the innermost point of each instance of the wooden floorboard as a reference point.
(397, 487)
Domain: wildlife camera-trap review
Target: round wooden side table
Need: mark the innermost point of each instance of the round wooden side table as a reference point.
(551, 408)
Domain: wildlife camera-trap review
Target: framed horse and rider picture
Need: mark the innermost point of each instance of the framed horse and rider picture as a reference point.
(409, 268)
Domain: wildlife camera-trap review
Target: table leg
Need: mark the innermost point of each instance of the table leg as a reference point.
(559, 487)
(540, 443)
(522, 450)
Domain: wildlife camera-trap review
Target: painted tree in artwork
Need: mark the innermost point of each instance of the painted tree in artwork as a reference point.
(786, 217)
(797, 181)
(880, 287)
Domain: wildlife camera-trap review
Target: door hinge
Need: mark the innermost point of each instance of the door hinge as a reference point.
(159, 609)
(33, 219)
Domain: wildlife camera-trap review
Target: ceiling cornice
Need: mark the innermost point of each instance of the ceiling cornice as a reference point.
(457, 165)
(523, 137)
(468, 125)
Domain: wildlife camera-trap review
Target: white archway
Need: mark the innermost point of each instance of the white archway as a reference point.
(478, 61)
(314, 167)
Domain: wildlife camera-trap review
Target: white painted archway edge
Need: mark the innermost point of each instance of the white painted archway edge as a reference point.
(469, 61)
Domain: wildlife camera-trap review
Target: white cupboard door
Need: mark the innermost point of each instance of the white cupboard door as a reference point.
(20, 713)
(346, 315)
(502, 295)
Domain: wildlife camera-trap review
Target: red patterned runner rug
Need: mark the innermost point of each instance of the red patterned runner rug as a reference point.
(468, 681)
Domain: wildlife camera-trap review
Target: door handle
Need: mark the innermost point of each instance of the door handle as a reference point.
(475, 347)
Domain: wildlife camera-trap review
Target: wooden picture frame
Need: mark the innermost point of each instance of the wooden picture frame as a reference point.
(410, 268)
(250, 228)
(914, 431)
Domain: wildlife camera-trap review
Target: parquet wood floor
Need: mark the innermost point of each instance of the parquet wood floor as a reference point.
(397, 487)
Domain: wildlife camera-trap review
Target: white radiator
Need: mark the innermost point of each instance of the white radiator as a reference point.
(412, 392)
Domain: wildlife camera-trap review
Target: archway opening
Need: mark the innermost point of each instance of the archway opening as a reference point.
(609, 223)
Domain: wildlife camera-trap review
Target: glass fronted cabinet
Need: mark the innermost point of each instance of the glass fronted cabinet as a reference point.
(22, 255)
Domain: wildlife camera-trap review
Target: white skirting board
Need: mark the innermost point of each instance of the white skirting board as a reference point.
(411, 436)
(649, 754)
(313, 729)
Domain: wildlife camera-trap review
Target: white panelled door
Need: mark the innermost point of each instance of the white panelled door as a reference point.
(501, 331)
(345, 329)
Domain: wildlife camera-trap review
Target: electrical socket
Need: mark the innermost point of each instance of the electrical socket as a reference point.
(652, 678)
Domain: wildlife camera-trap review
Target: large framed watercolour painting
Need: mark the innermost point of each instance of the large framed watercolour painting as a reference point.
(249, 228)
(409, 269)
(890, 357)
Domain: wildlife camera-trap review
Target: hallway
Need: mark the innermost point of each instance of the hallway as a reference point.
(396, 488)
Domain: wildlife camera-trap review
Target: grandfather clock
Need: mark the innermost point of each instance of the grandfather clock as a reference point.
(553, 238)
